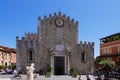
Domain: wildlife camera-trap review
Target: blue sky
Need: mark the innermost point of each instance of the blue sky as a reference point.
(97, 18)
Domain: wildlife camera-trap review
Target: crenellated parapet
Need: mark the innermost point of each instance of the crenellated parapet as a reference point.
(57, 15)
(86, 44)
(31, 36)
(28, 36)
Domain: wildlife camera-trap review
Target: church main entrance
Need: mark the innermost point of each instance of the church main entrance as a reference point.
(59, 65)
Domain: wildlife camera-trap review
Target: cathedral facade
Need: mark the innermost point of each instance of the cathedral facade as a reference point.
(56, 44)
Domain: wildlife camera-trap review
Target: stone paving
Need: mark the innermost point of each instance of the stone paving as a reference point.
(53, 77)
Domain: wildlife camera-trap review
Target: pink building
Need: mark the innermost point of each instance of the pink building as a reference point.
(7, 56)
(110, 48)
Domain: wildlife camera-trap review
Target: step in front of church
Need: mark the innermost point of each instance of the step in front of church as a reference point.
(53, 77)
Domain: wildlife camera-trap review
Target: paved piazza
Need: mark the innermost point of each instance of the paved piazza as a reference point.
(62, 77)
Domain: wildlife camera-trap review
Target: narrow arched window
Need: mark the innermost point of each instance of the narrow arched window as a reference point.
(30, 55)
(83, 57)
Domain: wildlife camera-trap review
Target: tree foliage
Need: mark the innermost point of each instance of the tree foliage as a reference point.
(107, 63)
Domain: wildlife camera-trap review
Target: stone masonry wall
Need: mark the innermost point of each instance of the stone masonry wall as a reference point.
(48, 36)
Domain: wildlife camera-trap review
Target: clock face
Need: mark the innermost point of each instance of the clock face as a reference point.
(59, 22)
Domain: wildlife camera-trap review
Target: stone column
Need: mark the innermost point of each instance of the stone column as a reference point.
(68, 59)
(51, 58)
(68, 65)
(51, 52)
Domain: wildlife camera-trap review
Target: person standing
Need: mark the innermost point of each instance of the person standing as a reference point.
(15, 73)
(88, 76)
(102, 77)
(6, 70)
(79, 77)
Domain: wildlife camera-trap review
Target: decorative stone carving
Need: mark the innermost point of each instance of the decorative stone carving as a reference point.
(68, 51)
(50, 49)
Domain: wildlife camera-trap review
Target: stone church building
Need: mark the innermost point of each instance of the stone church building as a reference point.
(56, 44)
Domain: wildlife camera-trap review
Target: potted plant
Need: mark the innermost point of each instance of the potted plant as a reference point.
(73, 72)
(48, 71)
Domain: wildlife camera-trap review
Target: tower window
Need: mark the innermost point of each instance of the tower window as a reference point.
(83, 57)
(30, 55)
